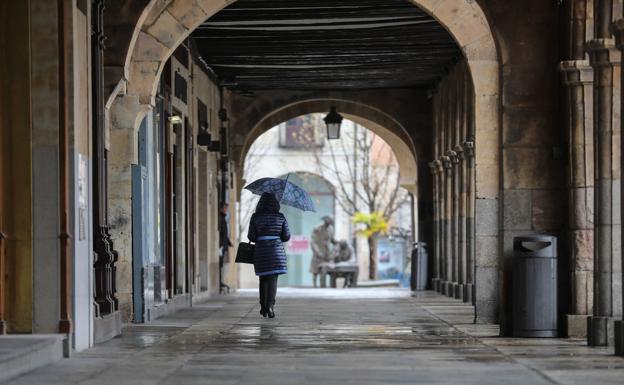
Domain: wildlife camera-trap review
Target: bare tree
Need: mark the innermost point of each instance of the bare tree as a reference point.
(363, 165)
(370, 170)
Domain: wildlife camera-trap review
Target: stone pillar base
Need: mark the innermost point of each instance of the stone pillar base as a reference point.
(467, 295)
(107, 327)
(448, 290)
(458, 290)
(68, 345)
(619, 337)
(435, 284)
(442, 288)
(600, 331)
(576, 325)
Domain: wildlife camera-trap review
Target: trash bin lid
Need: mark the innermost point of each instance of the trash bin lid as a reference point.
(535, 246)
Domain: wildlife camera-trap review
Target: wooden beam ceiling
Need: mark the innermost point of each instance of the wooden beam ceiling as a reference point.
(325, 44)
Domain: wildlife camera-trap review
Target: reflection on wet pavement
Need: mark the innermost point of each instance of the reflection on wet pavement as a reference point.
(324, 336)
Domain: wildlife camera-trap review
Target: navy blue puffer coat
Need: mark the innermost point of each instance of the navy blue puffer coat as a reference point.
(268, 228)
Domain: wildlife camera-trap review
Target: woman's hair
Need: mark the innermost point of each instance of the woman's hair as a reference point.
(268, 204)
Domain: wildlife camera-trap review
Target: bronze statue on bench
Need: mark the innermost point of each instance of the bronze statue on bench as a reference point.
(344, 265)
(339, 262)
(322, 236)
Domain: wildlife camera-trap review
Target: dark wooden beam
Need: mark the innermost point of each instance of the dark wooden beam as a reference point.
(257, 44)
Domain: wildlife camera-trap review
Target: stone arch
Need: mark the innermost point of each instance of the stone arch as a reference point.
(164, 25)
(391, 131)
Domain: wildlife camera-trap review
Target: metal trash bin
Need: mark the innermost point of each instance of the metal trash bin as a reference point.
(535, 286)
(419, 267)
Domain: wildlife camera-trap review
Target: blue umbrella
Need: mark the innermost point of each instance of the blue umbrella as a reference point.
(285, 192)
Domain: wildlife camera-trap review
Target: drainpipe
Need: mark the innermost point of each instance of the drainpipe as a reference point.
(105, 255)
(65, 324)
(224, 153)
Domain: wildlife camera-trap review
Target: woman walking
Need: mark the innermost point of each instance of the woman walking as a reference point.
(268, 228)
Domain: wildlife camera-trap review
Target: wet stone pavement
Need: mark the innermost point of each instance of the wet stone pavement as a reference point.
(325, 336)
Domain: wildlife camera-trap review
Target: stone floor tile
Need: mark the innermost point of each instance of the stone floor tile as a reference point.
(329, 336)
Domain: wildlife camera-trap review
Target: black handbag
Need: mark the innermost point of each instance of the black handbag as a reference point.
(245, 253)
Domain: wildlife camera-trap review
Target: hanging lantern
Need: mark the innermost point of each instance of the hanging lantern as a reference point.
(333, 120)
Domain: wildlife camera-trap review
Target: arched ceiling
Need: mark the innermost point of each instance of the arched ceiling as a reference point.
(325, 44)
(381, 124)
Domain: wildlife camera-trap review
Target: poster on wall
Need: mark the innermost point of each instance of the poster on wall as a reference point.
(83, 196)
(298, 244)
(82, 182)
(391, 258)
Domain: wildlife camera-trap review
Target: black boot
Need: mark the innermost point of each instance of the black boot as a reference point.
(271, 292)
(263, 311)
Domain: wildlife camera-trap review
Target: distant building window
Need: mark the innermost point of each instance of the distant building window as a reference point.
(179, 87)
(202, 116)
(182, 55)
(302, 132)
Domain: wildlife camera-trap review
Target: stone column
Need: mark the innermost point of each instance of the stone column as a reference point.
(618, 30)
(453, 133)
(48, 88)
(578, 79)
(441, 225)
(459, 175)
(3, 162)
(126, 115)
(455, 293)
(605, 60)
(441, 261)
(469, 294)
(16, 182)
(461, 256)
(436, 235)
(447, 165)
(443, 139)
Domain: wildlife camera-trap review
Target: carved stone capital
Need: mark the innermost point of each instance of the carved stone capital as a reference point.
(459, 150)
(469, 148)
(436, 167)
(432, 167)
(576, 72)
(452, 156)
(439, 167)
(603, 53)
(446, 162)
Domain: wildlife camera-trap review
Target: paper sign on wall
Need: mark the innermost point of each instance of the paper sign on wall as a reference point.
(298, 244)
(83, 196)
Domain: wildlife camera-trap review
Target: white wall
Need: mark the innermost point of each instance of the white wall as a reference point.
(267, 159)
(81, 192)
